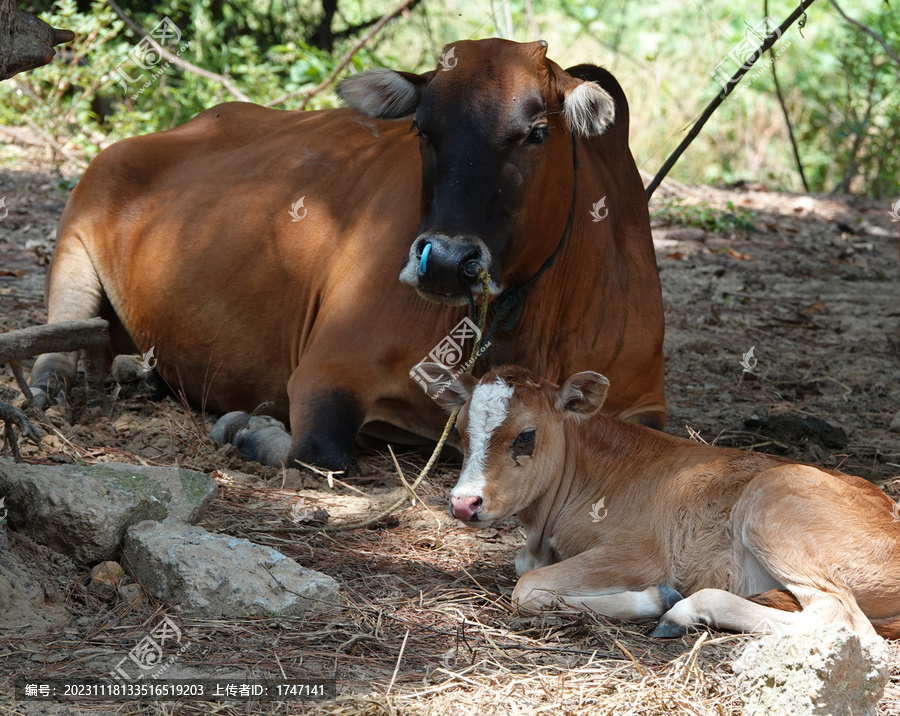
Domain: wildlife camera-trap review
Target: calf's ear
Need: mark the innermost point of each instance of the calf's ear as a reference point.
(583, 393)
(450, 391)
(383, 93)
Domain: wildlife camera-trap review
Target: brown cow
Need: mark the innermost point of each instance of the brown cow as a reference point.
(195, 242)
(620, 519)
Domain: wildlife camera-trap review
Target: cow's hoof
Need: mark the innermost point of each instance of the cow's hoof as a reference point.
(669, 596)
(261, 438)
(228, 426)
(40, 398)
(667, 630)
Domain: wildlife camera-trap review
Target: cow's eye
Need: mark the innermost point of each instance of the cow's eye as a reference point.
(418, 130)
(538, 135)
(524, 441)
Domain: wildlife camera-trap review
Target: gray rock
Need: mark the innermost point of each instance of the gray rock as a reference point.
(832, 671)
(894, 427)
(83, 511)
(210, 575)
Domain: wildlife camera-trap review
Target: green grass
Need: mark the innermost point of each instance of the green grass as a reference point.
(703, 216)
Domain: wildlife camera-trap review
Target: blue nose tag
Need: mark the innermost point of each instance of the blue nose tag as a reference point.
(423, 262)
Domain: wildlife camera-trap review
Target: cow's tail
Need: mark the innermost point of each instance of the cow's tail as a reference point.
(72, 291)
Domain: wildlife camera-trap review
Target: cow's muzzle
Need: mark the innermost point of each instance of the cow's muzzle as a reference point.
(446, 268)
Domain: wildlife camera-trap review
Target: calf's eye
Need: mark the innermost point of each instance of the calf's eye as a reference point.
(524, 443)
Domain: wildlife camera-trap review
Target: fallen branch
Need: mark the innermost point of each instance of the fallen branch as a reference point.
(53, 338)
(11, 415)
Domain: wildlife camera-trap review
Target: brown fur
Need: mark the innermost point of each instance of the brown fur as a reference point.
(187, 235)
(720, 525)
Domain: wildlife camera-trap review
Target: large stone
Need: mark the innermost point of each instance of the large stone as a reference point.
(832, 671)
(210, 575)
(83, 511)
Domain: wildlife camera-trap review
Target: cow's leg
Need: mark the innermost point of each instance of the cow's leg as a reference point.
(581, 582)
(723, 610)
(72, 292)
(325, 420)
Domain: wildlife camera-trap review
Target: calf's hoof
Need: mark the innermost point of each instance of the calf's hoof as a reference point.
(670, 596)
(667, 630)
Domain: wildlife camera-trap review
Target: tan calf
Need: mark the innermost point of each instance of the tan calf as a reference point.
(622, 520)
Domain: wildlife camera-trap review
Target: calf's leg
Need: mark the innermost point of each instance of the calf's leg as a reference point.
(582, 583)
(723, 610)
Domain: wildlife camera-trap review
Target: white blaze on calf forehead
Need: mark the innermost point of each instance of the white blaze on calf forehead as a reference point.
(487, 412)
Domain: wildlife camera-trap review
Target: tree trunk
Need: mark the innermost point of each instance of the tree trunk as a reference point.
(26, 41)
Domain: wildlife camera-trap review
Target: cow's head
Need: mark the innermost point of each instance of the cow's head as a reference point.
(511, 427)
(493, 122)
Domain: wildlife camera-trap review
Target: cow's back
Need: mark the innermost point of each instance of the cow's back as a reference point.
(193, 239)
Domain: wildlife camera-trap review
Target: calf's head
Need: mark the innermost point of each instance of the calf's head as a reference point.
(511, 427)
(493, 123)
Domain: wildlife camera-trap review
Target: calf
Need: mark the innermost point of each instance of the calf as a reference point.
(622, 520)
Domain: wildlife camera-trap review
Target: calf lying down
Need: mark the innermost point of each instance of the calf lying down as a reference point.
(623, 520)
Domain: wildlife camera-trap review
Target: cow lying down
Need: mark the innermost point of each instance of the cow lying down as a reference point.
(676, 518)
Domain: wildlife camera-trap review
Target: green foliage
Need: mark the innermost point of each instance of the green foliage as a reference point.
(59, 99)
(703, 216)
(851, 125)
(102, 87)
(840, 86)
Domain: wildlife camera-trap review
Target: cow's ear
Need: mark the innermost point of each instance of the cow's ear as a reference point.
(588, 108)
(583, 393)
(384, 94)
(448, 390)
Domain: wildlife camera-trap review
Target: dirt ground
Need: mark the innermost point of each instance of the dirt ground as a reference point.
(427, 626)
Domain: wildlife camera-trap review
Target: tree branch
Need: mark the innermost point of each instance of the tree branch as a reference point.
(348, 56)
(787, 117)
(868, 31)
(176, 60)
(53, 338)
(723, 95)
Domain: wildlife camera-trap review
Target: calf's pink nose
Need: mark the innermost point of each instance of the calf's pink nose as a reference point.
(464, 508)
